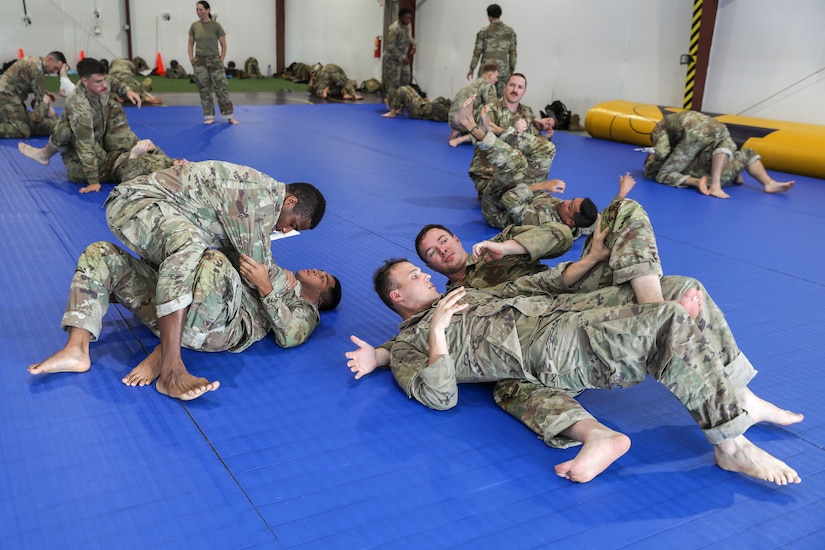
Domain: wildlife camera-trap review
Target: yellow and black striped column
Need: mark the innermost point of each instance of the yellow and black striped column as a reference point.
(701, 37)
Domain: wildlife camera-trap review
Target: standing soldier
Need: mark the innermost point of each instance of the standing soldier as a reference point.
(495, 43)
(399, 49)
(27, 76)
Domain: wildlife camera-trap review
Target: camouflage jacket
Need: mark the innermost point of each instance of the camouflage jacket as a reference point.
(26, 76)
(329, 75)
(496, 43)
(542, 242)
(399, 40)
(484, 91)
(489, 341)
(88, 118)
(237, 205)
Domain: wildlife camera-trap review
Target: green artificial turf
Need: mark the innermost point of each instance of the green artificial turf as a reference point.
(162, 84)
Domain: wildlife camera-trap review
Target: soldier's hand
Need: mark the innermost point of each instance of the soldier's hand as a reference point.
(255, 273)
(521, 125)
(134, 97)
(448, 306)
(362, 360)
(492, 250)
(598, 247)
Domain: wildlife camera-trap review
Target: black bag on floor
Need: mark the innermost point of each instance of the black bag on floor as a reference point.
(560, 112)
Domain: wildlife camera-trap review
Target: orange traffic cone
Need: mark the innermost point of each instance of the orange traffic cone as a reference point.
(20, 53)
(81, 56)
(160, 70)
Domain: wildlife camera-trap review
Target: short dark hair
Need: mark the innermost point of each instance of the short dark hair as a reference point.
(586, 216)
(336, 90)
(332, 297)
(88, 66)
(518, 74)
(384, 282)
(423, 233)
(489, 67)
(404, 11)
(58, 56)
(494, 11)
(311, 203)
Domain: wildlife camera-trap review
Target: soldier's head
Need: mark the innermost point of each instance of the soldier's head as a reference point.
(489, 72)
(494, 11)
(320, 288)
(579, 212)
(303, 208)
(335, 90)
(515, 88)
(403, 287)
(405, 16)
(53, 62)
(441, 250)
(203, 10)
(92, 75)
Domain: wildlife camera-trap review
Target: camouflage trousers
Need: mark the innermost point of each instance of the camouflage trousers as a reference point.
(213, 321)
(118, 139)
(163, 236)
(508, 161)
(210, 76)
(618, 347)
(395, 74)
(737, 162)
(19, 123)
(419, 108)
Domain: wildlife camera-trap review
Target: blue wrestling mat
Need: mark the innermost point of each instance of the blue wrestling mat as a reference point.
(291, 452)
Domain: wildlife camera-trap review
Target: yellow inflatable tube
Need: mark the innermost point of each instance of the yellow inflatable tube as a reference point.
(790, 147)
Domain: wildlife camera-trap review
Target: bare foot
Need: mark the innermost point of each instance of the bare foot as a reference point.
(763, 411)
(233, 120)
(178, 162)
(209, 121)
(34, 153)
(146, 372)
(175, 381)
(602, 448)
(141, 148)
(65, 360)
(777, 187)
(692, 302)
(740, 455)
(716, 191)
(91, 188)
(703, 185)
(464, 117)
(389, 114)
(456, 141)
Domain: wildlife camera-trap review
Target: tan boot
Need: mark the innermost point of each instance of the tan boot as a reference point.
(575, 124)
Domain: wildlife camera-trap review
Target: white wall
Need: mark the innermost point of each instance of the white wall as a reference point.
(582, 52)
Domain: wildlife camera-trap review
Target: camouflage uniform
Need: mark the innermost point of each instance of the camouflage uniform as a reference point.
(26, 76)
(208, 69)
(225, 314)
(334, 76)
(481, 170)
(684, 144)
(124, 70)
(496, 43)
(516, 159)
(176, 70)
(92, 132)
(485, 93)
(569, 344)
(171, 217)
(418, 107)
(542, 242)
(396, 73)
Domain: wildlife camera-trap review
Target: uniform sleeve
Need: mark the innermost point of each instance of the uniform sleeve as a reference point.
(38, 84)
(117, 86)
(81, 121)
(549, 282)
(513, 54)
(391, 49)
(549, 240)
(248, 230)
(478, 50)
(432, 385)
(291, 318)
(517, 197)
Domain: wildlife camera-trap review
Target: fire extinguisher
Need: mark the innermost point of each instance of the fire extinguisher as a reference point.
(377, 53)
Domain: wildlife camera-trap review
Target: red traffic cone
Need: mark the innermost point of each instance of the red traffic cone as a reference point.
(160, 70)
(20, 53)
(81, 56)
